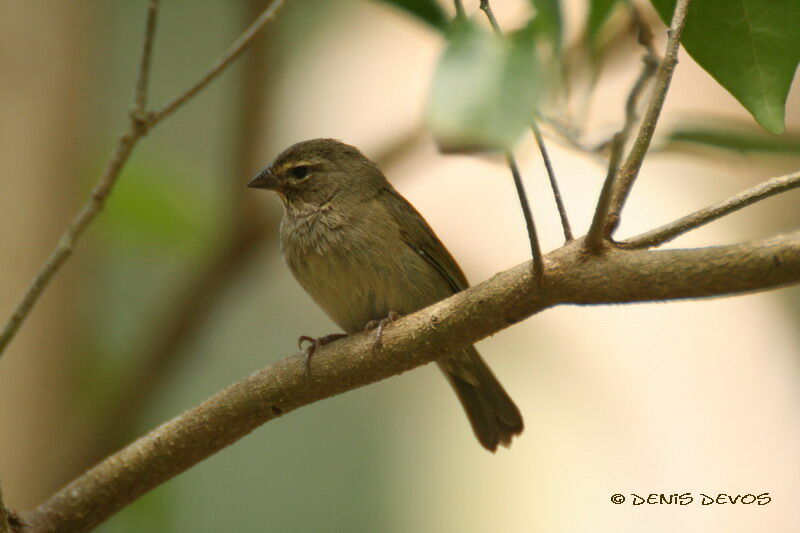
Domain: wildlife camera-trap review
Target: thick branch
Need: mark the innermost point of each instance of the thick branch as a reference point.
(669, 231)
(570, 277)
(630, 170)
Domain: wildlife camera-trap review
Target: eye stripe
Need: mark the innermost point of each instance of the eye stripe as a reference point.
(288, 165)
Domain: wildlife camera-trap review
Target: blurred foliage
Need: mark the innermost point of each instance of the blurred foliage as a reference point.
(156, 223)
(154, 511)
(599, 11)
(548, 21)
(730, 135)
(751, 47)
(484, 93)
(428, 11)
(484, 89)
(153, 206)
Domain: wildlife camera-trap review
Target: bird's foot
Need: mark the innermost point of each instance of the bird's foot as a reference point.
(379, 325)
(313, 344)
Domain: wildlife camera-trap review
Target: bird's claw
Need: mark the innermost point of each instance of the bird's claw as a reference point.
(379, 326)
(313, 344)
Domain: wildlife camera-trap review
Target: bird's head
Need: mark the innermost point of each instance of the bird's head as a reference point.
(313, 172)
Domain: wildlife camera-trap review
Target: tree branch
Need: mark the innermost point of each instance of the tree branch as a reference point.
(570, 277)
(141, 122)
(630, 169)
(667, 232)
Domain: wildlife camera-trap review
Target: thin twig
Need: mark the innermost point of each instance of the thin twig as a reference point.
(140, 125)
(536, 251)
(630, 170)
(667, 232)
(99, 193)
(147, 56)
(566, 132)
(487, 8)
(595, 237)
(460, 320)
(66, 245)
(551, 175)
(233, 52)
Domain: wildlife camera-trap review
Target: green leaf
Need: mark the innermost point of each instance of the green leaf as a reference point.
(428, 11)
(599, 11)
(751, 47)
(548, 20)
(484, 89)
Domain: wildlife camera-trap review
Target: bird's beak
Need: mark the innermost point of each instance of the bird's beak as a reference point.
(265, 180)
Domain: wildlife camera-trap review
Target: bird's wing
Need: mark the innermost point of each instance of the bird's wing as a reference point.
(416, 233)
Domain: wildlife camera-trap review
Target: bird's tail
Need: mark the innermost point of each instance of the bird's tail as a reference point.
(494, 417)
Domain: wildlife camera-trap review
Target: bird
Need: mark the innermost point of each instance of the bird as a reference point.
(365, 255)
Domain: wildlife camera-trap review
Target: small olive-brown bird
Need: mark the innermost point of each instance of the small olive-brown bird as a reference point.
(363, 253)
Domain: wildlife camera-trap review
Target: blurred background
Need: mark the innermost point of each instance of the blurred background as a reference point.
(178, 289)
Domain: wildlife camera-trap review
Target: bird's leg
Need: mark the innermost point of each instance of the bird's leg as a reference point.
(379, 325)
(315, 343)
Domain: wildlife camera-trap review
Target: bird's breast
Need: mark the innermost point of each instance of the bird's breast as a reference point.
(358, 270)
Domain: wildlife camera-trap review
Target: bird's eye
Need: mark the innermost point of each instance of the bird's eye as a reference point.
(300, 171)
